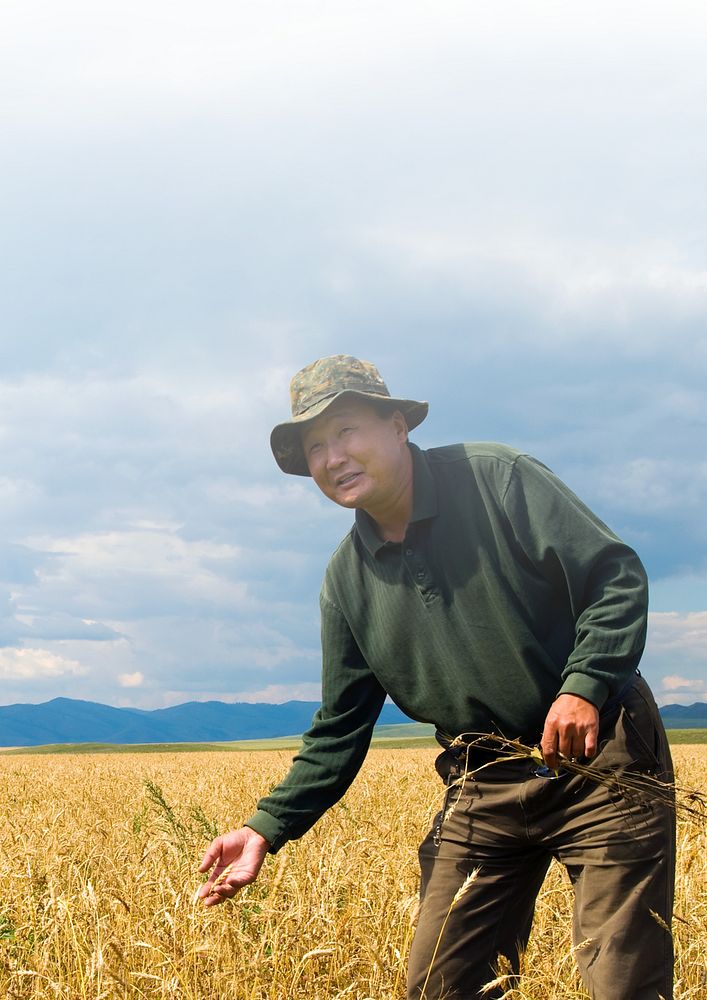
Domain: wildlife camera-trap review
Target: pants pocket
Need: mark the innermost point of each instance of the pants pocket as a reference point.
(636, 740)
(643, 737)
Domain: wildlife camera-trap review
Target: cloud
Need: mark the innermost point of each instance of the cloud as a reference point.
(683, 684)
(657, 485)
(676, 642)
(108, 58)
(33, 664)
(274, 694)
(680, 690)
(572, 286)
(278, 693)
(139, 573)
(57, 626)
(685, 634)
(226, 655)
(131, 680)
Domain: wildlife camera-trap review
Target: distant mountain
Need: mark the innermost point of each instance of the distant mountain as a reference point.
(685, 716)
(65, 720)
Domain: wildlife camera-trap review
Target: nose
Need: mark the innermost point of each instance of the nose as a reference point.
(335, 455)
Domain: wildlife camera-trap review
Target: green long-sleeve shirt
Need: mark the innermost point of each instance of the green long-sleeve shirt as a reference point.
(506, 592)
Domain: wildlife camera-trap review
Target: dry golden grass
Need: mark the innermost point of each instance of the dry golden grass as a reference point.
(98, 856)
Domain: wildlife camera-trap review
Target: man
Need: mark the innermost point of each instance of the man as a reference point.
(479, 593)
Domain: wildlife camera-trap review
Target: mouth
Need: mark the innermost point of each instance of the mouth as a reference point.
(348, 479)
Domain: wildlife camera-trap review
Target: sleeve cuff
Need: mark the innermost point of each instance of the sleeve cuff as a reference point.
(585, 687)
(269, 827)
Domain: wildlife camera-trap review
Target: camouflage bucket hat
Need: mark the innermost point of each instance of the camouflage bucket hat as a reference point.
(316, 387)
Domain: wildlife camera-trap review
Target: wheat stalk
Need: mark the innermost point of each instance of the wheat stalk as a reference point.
(218, 881)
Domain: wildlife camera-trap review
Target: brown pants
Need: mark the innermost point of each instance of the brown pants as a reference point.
(509, 823)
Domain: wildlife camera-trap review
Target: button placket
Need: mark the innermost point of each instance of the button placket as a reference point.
(416, 567)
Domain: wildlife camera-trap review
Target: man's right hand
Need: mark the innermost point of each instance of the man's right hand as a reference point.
(238, 857)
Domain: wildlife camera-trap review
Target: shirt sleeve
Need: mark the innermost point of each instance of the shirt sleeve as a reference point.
(602, 578)
(335, 746)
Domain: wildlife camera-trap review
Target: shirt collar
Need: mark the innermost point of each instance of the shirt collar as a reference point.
(424, 502)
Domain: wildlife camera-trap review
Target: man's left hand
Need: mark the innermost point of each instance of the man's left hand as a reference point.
(571, 729)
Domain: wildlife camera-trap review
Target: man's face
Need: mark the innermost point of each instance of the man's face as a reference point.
(356, 457)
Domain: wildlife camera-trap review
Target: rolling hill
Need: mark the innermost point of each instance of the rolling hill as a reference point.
(68, 720)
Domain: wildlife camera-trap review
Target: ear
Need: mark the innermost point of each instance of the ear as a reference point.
(400, 425)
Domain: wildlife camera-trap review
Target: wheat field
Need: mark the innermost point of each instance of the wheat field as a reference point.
(98, 858)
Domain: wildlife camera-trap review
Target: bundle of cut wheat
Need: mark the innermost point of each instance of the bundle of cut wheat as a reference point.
(629, 784)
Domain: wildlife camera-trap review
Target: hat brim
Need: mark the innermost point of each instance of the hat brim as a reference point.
(286, 441)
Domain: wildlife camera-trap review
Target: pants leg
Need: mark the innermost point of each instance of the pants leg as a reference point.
(457, 945)
(620, 853)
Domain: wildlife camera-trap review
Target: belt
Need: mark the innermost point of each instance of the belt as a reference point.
(476, 754)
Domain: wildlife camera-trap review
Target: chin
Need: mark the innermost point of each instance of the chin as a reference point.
(352, 500)
(351, 503)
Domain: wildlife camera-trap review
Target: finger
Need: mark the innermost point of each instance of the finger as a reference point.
(215, 882)
(209, 889)
(220, 895)
(212, 854)
(548, 746)
(578, 744)
(572, 745)
(213, 894)
(215, 897)
(590, 742)
(218, 877)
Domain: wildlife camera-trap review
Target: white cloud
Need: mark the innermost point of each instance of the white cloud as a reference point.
(656, 485)
(224, 405)
(274, 694)
(673, 632)
(220, 43)
(279, 693)
(675, 659)
(675, 689)
(155, 567)
(131, 680)
(33, 664)
(683, 684)
(572, 284)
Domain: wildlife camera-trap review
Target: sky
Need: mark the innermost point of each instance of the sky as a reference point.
(499, 204)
